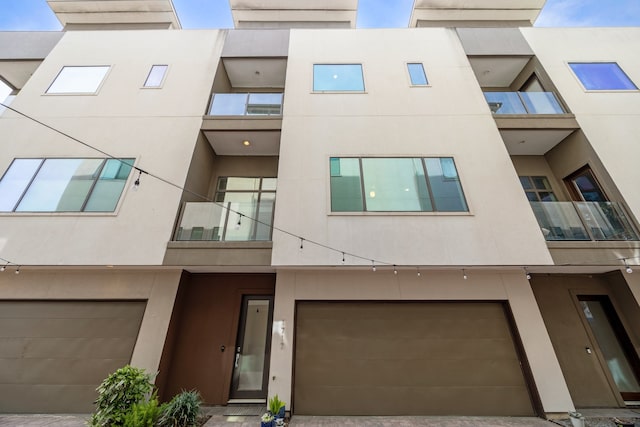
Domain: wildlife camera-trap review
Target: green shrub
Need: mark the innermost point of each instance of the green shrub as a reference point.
(118, 393)
(143, 414)
(182, 411)
(275, 404)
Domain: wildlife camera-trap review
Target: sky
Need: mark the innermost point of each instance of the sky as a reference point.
(35, 15)
(30, 15)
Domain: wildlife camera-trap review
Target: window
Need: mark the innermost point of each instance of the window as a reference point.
(251, 197)
(417, 74)
(63, 185)
(338, 78)
(78, 80)
(156, 76)
(602, 76)
(537, 189)
(395, 185)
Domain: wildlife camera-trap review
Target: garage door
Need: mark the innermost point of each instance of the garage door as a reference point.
(53, 355)
(407, 359)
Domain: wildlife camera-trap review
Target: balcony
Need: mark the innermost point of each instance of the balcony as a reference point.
(226, 222)
(584, 221)
(523, 103)
(244, 124)
(246, 104)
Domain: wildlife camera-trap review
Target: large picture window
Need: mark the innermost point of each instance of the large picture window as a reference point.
(428, 184)
(602, 76)
(78, 80)
(338, 78)
(63, 185)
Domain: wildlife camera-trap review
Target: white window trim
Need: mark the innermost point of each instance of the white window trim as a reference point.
(97, 91)
(164, 77)
(327, 184)
(127, 187)
(342, 92)
(408, 75)
(600, 61)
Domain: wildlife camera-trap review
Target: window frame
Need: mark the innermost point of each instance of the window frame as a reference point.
(76, 93)
(423, 159)
(164, 77)
(87, 198)
(536, 190)
(424, 71)
(313, 78)
(616, 63)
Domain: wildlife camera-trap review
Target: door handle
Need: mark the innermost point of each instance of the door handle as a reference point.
(237, 359)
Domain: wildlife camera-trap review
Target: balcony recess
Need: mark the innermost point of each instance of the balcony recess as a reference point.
(584, 221)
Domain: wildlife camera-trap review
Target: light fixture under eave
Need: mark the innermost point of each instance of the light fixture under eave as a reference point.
(246, 143)
(464, 274)
(628, 268)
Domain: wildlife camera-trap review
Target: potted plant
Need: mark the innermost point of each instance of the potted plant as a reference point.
(577, 420)
(266, 420)
(277, 407)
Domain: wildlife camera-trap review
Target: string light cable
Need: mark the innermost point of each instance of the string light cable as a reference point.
(374, 262)
(193, 193)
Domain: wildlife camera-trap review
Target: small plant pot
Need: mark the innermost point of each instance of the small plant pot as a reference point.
(280, 413)
(267, 423)
(577, 421)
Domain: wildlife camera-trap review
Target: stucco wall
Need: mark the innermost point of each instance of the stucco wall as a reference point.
(158, 127)
(392, 119)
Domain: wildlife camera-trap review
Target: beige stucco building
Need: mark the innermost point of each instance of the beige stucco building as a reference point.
(436, 220)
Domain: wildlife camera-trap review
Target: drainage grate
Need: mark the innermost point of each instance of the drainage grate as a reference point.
(244, 410)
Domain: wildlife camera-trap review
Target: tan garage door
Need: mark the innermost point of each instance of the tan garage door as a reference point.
(53, 355)
(406, 359)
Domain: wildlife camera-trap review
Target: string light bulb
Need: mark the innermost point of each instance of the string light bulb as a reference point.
(527, 274)
(464, 274)
(3, 268)
(343, 257)
(136, 183)
(395, 270)
(373, 266)
(301, 243)
(18, 270)
(628, 268)
(418, 271)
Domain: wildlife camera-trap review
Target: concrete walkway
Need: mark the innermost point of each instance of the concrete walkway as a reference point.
(594, 418)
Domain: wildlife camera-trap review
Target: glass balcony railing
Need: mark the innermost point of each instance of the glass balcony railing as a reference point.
(246, 104)
(523, 103)
(583, 221)
(231, 221)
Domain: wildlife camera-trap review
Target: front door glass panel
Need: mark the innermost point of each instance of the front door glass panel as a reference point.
(252, 349)
(613, 344)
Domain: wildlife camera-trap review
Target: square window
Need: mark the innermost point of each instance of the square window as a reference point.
(602, 76)
(338, 78)
(79, 80)
(156, 76)
(417, 74)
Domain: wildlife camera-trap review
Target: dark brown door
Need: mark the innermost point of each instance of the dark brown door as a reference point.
(583, 186)
(616, 350)
(406, 358)
(253, 349)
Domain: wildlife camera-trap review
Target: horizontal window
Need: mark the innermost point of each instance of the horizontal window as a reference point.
(417, 74)
(80, 80)
(63, 185)
(428, 184)
(602, 76)
(338, 78)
